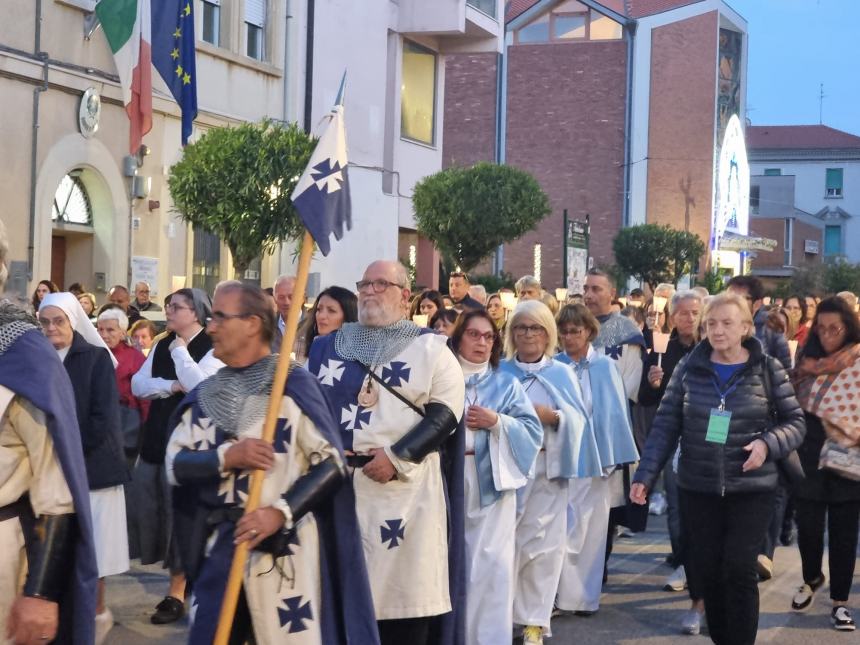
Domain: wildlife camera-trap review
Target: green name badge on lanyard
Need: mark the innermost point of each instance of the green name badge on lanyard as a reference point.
(718, 426)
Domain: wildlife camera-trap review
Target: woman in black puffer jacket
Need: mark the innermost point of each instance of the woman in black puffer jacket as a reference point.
(717, 406)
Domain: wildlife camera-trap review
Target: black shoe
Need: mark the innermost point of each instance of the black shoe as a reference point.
(168, 610)
(806, 593)
(841, 619)
(584, 613)
(786, 538)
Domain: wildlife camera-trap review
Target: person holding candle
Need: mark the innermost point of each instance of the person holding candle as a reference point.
(684, 310)
(427, 303)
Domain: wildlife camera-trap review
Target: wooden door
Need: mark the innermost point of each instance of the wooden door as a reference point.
(58, 261)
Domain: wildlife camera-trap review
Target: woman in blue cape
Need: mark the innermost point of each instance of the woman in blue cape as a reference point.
(590, 497)
(569, 450)
(502, 441)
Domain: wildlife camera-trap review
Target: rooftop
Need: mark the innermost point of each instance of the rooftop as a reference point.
(799, 137)
(629, 8)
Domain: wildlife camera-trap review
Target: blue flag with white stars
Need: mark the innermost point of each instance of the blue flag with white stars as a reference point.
(173, 55)
(321, 195)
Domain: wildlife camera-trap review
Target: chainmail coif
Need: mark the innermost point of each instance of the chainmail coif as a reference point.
(236, 398)
(374, 345)
(14, 323)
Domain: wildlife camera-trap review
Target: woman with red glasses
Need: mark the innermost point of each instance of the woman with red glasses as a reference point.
(502, 442)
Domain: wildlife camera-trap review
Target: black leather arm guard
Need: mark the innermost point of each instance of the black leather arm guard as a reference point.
(306, 494)
(196, 466)
(430, 433)
(50, 555)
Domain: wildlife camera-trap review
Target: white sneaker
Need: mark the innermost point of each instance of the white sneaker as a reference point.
(677, 581)
(691, 623)
(104, 623)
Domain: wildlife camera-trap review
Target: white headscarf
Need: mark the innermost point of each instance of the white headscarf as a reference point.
(77, 317)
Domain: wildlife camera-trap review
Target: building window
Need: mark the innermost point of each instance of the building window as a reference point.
(787, 242)
(754, 198)
(772, 172)
(486, 6)
(206, 261)
(71, 202)
(570, 20)
(418, 94)
(833, 185)
(255, 26)
(212, 21)
(832, 240)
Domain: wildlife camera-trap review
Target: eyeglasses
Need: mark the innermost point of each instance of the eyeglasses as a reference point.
(172, 307)
(218, 317)
(58, 323)
(378, 285)
(525, 330)
(830, 331)
(571, 331)
(474, 334)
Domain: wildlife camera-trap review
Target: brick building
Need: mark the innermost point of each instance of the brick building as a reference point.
(616, 107)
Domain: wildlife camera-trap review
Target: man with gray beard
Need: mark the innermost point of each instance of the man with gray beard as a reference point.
(398, 393)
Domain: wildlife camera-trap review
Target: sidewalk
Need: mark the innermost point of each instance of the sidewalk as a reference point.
(634, 608)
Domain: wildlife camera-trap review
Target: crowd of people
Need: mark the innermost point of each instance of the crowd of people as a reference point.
(445, 468)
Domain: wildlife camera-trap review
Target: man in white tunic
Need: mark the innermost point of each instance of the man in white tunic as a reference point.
(400, 394)
(209, 457)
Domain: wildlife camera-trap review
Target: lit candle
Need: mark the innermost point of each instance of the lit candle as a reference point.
(420, 319)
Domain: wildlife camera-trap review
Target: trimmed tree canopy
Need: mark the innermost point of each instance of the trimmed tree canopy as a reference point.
(656, 253)
(236, 183)
(468, 212)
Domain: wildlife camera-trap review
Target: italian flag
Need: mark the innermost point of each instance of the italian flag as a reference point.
(128, 28)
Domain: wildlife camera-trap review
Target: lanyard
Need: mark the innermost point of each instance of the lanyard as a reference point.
(724, 393)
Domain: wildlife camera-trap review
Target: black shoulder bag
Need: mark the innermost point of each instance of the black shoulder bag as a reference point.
(789, 467)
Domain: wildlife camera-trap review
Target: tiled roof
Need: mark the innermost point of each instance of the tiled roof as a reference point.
(641, 8)
(629, 8)
(798, 137)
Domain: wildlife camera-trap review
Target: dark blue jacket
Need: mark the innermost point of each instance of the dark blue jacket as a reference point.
(91, 372)
(774, 343)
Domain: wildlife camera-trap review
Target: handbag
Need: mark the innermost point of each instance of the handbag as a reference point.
(129, 423)
(841, 460)
(789, 467)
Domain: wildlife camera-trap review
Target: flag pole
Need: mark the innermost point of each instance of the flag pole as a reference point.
(240, 555)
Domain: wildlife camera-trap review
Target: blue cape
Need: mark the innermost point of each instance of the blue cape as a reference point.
(346, 607)
(610, 412)
(501, 392)
(571, 448)
(32, 370)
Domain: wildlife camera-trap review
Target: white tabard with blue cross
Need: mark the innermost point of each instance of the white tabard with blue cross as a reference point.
(403, 522)
(283, 596)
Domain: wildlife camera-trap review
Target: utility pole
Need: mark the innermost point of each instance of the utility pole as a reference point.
(821, 104)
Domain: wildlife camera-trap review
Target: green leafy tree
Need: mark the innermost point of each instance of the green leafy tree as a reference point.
(654, 253)
(236, 183)
(841, 276)
(468, 212)
(713, 281)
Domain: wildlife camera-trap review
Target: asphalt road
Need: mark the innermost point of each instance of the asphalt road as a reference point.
(634, 608)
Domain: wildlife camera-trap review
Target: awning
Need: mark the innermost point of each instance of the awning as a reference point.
(735, 242)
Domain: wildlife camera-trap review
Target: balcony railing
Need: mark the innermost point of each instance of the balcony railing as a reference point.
(486, 6)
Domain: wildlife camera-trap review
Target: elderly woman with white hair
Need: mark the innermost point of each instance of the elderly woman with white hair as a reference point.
(569, 450)
(112, 326)
(90, 367)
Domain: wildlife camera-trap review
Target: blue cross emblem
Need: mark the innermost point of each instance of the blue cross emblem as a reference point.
(614, 352)
(295, 614)
(397, 374)
(392, 532)
(283, 434)
(328, 177)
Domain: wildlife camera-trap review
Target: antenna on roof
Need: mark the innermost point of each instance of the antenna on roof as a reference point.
(821, 97)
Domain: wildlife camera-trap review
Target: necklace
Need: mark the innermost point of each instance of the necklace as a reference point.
(369, 394)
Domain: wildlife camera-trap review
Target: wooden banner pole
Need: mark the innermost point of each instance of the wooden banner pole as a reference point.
(240, 555)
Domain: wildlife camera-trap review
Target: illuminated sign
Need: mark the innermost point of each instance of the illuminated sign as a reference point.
(731, 214)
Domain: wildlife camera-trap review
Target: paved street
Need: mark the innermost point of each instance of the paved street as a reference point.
(634, 609)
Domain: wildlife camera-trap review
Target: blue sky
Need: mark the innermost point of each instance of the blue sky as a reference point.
(794, 45)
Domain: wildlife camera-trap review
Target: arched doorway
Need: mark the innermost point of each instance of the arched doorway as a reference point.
(72, 232)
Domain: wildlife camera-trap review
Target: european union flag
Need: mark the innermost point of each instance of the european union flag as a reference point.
(322, 194)
(173, 55)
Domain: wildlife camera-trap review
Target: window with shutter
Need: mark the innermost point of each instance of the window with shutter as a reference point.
(833, 185)
(255, 12)
(832, 240)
